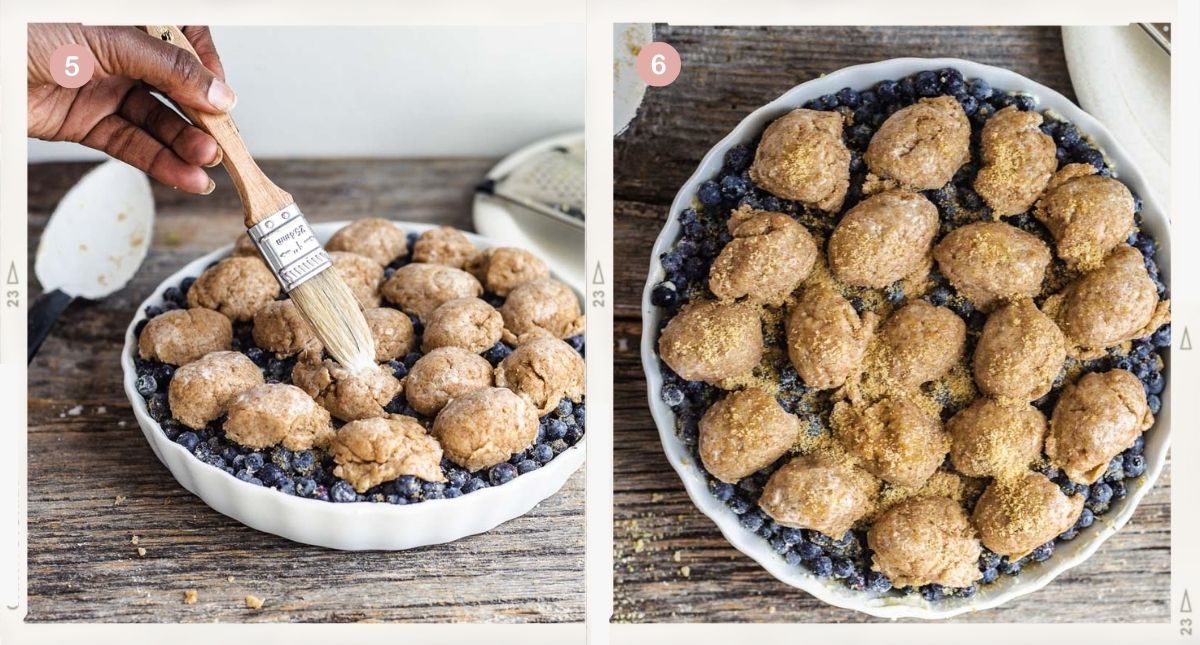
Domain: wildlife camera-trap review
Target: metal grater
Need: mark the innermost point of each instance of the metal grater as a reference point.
(550, 183)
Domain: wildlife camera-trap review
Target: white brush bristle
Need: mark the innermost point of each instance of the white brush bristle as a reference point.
(336, 317)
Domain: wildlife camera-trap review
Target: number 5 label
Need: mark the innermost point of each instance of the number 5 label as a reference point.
(72, 66)
(658, 64)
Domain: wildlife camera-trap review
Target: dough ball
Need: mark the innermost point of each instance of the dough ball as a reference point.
(923, 342)
(545, 304)
(445, 374)
(444, 245)
(896, 440)
(183, 335)
(280, 328)
(1020, 352)
(820, 493)
(369, 452)
(376, 238)
(244, 246)
(201, 390)
(544, 370)
(418, 289)
(925, 540)
(1016, 516)
(347, 395)
(1018, 161)
(993, 439)
(236, 287)
(826, 339)
(921, 146)
(883, 239)
(745, 432)
(1096, 419)
(485, 427)
(1109, 305)
(989, 262)
(802, 157)
(768, 258)
(393, 333)
(1088, 214)
(272, 414)
(502, 269)
(469, 323)
(712, 341)
(361, 274)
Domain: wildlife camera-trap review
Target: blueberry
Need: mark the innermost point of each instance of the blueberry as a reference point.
(926, 83)
(580, 414)
(1086, 518)
(342, 492)
(733, 186)
(1010, 568)
(576, 343)
(842, 568)
(244, 475)
(411, 359)
(527, 466)
(160, 408)
(452, 493)
(254, 461)
(475, 484)
(153, 311)
(257, 356)
(1135, 465)
(270, 474)
(189, 440)
(888, 91)
(989, 575)
(407, 486)
(304, 462)
(1043, 552)
(1155, 403)
(146, 385)
(502, 473)
(709, 193)
(1092, 156)
(1025, 102)
(877, 582)
(752, 521)
(672, 395)
(542, 453)
(556, 429)
(565, 408)
(1162, 337)
(894, 292)
(970, 104)
(1139, 445)
(497, 353)
(809, 551)
(433, 490)
(822, 566)
(849, 97)
(1119, 489)
(738, 158)
(281, 457)
(1155, 383)
(780, 546)
(792, 558)
(739, 505)
(933, 593)
(939, 296)
(306, 487)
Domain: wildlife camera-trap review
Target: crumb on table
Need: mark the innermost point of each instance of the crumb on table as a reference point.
(254, 602)
(190, 596)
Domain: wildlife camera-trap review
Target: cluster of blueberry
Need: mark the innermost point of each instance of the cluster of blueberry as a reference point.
(704, 233)
(308, 473)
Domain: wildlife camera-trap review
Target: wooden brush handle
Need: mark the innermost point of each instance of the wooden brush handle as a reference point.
(261, 198)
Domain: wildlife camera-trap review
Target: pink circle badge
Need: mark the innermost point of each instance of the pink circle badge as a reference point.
(72, 65)
(658, 64)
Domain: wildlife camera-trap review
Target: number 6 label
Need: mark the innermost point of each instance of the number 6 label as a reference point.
(658, 64)
(72, 66)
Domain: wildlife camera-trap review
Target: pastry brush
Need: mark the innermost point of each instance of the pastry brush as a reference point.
(285, 240)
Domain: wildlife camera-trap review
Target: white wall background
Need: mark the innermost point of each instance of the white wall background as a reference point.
(394, 91)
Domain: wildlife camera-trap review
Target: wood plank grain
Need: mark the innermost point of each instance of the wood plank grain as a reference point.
(86, 452)
(728, 72)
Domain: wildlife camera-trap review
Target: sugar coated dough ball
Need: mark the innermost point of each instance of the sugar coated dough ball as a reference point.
(923, 342)
(202, 390)
(1018, 161)
(444, 245)
(272, 414)
(184, 335)
(925, 540)
(802, 157)
(1015, 516)
(418, 289)
(826, 338)
(819, 492)
(1020, 352)
(485, 427)
(347, 395)
(393, 333)
(545, 304)
(883, 239)
(361, 274)
(993, 439)
(1110, 305)
(236, 287)
(1096, 418)
(469, 323)
(921, 146)
(502, 269)
(1088, 214)
(376, 238)
(445, 374)
(369, 452)
(897, 440)
(712, 341)
(544, 371)
(990, 262)
(280, 328)
(767, 259)
(745, 432)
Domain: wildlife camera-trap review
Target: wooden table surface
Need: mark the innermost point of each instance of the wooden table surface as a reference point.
(671, 562)
(94, 483)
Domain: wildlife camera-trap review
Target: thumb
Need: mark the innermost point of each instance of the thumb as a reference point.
(174, 71)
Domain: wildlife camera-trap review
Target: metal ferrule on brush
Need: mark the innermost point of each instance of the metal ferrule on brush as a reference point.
(290, 248)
